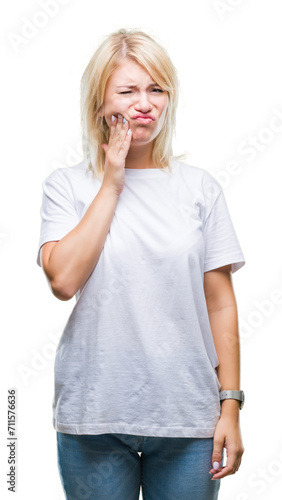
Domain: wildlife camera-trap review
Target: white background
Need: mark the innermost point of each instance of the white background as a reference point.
(228, 56)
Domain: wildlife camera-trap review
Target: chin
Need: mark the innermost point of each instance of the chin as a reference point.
(142, 136)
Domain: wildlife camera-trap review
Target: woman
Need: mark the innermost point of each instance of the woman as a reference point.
(146, 244)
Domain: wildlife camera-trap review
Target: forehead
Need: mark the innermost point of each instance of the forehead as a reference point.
(129, 72)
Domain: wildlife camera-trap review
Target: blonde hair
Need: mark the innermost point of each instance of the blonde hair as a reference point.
(141, 48)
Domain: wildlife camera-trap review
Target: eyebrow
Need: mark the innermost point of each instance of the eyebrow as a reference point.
(153, 84)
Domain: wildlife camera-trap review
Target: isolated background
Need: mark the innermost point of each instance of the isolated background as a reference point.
(228, 56)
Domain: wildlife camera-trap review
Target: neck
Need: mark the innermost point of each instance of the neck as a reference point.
(140, 157)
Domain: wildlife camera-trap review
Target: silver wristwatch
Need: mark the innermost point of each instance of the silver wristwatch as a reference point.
(239, 395)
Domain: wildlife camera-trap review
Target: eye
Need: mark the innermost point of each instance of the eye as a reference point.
(158, 91)
(127, 92)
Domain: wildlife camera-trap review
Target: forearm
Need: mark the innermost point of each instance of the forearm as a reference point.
(75, 256)
(224, 326)
(223, 317)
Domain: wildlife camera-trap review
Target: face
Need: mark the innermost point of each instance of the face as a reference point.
(132, 92)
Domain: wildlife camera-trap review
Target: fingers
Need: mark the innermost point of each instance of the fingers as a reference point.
(232, 466)
(218, 445)
(119, 136)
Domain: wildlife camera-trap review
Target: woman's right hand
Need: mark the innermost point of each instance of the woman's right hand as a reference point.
(116, 151)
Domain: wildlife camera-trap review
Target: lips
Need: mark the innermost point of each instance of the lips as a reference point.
(144, 118)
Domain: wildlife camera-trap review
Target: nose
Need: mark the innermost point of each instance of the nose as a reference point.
(143, 104)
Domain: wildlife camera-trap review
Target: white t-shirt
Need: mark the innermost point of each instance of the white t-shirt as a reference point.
(137, 354)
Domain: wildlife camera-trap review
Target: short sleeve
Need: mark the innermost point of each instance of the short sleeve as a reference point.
(221, 243)
(58, 213)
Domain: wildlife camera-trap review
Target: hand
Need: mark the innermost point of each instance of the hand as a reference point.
(116, 151)
(227, 435)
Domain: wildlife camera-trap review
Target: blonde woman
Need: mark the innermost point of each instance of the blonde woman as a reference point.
(147, 383)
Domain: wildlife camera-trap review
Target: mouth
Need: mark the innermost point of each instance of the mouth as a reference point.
(144, 119)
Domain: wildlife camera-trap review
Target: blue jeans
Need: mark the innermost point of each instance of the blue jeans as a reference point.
(109, 467)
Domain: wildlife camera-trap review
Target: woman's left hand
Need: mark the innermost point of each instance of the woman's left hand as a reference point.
(227, 435)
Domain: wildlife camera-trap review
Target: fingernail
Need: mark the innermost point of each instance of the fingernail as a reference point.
(124, 120)
(113, 118)
(119, 116)
(215, 465)
(128, 132)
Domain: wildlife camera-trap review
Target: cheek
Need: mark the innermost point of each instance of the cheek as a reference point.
(115, 106)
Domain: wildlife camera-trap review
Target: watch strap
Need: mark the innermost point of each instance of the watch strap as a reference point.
(239, 395)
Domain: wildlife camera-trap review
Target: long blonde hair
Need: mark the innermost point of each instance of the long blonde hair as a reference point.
(141, 48)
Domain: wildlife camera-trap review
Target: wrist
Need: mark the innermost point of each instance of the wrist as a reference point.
(230, 408)
(233, 394)
(109, 190)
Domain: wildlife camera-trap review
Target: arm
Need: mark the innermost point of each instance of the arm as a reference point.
(222, 310)
(69, 262)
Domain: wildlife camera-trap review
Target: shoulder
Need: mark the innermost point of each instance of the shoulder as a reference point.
(69, 175)
(75, 185)
(197, 178)
(76, 182)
